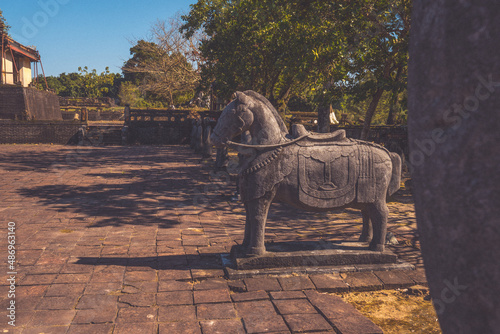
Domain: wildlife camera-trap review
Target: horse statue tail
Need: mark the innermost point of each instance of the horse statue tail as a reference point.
(395, 182)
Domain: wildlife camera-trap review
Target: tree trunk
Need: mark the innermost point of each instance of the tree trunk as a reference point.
(394, 97)
(453, 124)
(323, 119)
(370, 112)
(393, 102)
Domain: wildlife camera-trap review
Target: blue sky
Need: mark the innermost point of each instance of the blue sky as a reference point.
(93, 33)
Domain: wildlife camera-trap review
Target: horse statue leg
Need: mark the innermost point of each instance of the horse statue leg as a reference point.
(246, 237)
(367, 231)
(378, 213)
(255, 227)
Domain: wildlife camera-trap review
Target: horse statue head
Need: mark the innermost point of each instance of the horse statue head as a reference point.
(249, 113)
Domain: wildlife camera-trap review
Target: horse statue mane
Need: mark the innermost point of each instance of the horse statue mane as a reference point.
(244, 98)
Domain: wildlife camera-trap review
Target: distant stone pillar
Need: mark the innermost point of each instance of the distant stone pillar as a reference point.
(454, 134)
(207, 143)
(84, 116)
(126, 113)
(199, 137)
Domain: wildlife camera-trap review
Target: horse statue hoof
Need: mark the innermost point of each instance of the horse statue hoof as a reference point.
(377, 248)
(256, 251)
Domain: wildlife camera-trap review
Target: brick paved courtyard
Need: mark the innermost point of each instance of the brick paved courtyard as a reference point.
(127, 240)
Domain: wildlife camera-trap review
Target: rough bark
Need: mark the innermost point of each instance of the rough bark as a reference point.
(394, 98)
(454, 122)
(370, 112)
(324, 119)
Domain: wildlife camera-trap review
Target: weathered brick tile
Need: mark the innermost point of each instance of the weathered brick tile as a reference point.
(137, 314)
(95, 316)
(172, 285)
(296, 283)
(248, 296)
(73, 278)
(57, 303)
(97, 302)
(52, 318)
(211, 284)
(362, 281)
(294, 306)
(31, 290)
(139, 276)
(174, 274)
(56, 290)
(215, 311)
(26, 303)
(287, 294)
(260, 316)
(45, 269)
(176, 313)
(136, 300)
(344, 316)
(175, 298)
(200, 274)
(134, 328)
(140, 287)
(106, 277)
(211, 296)
(74, 268)
(262, 283)
(185, 327)
(45, 329)
(23, 317)
(418, 276)
(232, 326)
(38, 279)
(307, 322)
(102, 288)
(329, 283)
(393, 279)
(90, 328)
(237, 285)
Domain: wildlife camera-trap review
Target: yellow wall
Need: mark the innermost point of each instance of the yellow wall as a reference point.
(24, 69)
(8, 69)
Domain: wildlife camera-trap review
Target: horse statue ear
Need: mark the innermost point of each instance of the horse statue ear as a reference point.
(242, 98)
(236, 95)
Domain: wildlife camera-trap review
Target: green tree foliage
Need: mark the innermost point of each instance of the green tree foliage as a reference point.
(83, 84)
(129, 94)
(95, 85)
(318, 50)
(141, 53)
(165, 68)
(3, 24)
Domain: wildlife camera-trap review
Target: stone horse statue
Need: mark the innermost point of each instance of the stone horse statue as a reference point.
(310, 171)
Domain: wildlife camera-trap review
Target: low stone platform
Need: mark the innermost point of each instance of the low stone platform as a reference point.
(310, 253)
(323, 257)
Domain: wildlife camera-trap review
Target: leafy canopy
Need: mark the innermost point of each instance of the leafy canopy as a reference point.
(318, 50)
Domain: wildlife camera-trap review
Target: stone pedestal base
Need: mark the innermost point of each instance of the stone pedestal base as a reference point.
(310, 257)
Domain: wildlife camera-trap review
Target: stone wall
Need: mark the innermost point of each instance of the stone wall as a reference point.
(25, 103)
(38, 132)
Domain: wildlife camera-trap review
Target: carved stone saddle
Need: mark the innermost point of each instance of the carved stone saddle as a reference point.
(333, 170)
(298, 130)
